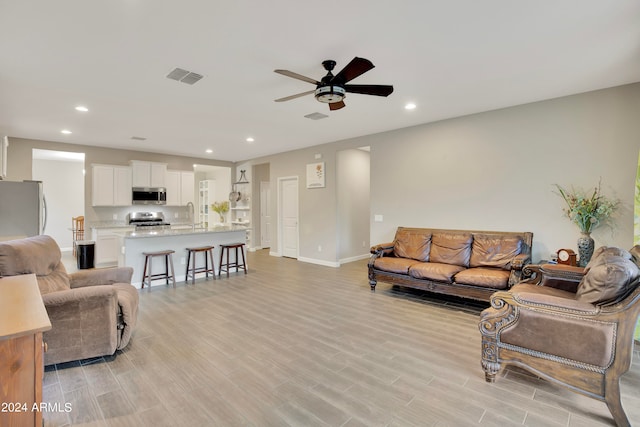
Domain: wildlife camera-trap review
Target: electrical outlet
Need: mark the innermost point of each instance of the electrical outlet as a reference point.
(319, 248)
(364, 244)
(183, 260)
(377, 218)
(176, 215)
(115, 217)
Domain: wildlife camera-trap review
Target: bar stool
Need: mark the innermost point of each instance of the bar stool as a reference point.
(168, 261)
(225, 249)
(192, 270)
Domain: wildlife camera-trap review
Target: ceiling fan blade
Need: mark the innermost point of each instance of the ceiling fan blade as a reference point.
(336, 105)
(355, 68)
(298, 95)
(378, 90)
(297, 76)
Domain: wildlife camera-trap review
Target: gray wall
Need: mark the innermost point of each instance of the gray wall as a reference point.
(353, 200)
(488, 171)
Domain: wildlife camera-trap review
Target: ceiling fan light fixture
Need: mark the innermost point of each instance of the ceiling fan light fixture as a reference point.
(330, 94)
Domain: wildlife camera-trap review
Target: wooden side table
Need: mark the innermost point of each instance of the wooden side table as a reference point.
(23, 319)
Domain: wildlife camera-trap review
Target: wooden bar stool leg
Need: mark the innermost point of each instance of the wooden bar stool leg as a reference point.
(193, 268)
(244, 262)
(150, 270)
(213, 266)
(173, 272)
(144, 272)
(186, 274)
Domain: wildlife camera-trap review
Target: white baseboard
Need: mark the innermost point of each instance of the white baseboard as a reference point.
(354, 258)
(272, 253)
(319, 262)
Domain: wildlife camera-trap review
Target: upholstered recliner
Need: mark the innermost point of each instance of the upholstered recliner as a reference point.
(571, 326)
(92, 312)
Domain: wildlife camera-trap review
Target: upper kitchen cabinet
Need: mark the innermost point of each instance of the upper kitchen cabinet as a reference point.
(148, 174)
(111, 185)
(180, 187)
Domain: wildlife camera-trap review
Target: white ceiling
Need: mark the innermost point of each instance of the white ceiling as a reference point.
(450, 57)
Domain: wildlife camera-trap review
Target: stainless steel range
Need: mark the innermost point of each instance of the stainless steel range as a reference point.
(148, 221)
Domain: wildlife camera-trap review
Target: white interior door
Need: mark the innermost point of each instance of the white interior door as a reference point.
(289, 216)
(265, 217)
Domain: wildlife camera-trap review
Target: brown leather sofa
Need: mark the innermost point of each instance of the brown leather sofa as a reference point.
(92, 312)
(568, 325)
(470, 264)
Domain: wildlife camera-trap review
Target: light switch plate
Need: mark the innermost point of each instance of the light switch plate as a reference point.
(377, 218)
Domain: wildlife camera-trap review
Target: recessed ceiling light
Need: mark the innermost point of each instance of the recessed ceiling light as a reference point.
(410, 106)
(65, 131)
(82, 108)
(250, 139)
(209, 150)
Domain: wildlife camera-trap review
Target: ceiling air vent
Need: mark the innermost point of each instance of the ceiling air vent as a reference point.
(184, 76)
(316, 116)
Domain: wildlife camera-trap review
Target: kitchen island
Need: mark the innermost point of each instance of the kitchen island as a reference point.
(134, 243)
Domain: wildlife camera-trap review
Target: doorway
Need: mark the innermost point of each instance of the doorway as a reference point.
(62, 175)
(288, 216)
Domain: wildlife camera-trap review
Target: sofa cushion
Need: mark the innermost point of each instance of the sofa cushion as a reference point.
(451, 248)
(435, 271)
(414, 245)
(494, 251)
(39, 255)
(394, 265)
(608, 277)
(495, 278)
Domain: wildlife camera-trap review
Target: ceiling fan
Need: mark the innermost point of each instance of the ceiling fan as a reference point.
(332, 89)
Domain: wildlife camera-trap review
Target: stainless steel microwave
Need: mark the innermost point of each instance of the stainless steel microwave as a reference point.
(149, 196)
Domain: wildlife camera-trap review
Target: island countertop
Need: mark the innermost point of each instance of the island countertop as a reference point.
(179, 231)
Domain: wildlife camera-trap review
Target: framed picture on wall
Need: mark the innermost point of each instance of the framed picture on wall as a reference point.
(315, 175)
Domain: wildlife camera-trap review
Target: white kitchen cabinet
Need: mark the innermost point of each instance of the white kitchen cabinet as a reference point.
(148, 174)
(122, 186)
(111, 185)
(180, 187)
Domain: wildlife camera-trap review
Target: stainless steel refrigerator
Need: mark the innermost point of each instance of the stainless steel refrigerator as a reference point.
(23, 209)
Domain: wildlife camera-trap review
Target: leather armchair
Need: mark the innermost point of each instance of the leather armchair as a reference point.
(571, 326)
(92, 312)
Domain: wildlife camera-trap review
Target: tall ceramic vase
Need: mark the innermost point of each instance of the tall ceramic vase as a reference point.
(585, 249)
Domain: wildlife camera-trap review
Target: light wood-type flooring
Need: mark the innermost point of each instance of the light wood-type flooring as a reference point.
(297, 344)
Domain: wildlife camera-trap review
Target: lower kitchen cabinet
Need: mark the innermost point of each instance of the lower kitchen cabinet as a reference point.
(108, 245)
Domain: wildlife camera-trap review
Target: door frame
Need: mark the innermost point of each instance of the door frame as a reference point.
(281, 181)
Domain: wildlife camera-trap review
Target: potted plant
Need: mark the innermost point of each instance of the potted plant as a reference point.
(221, 208)
(588, 210)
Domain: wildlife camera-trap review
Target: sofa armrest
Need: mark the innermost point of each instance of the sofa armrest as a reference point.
(378, 251)
(558, 276)
(382, 249)
(100, 276)
(548, 299)
(519, 261)
(84, 323)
